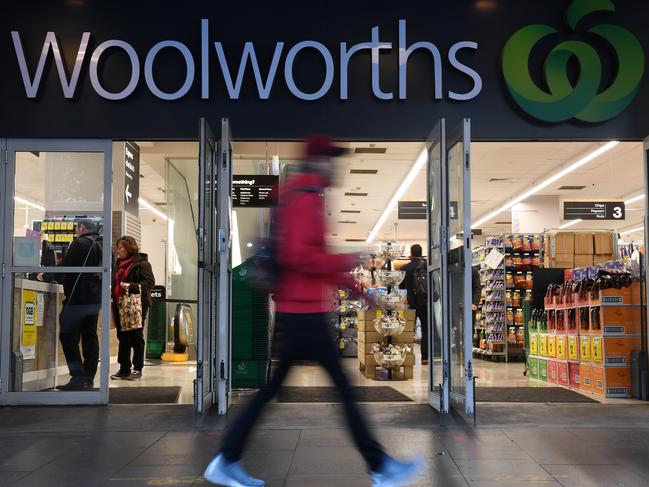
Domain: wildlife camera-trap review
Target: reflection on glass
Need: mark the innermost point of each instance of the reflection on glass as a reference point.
(54, 336)
(436, 339)
(182, 249)
(456, 267)
(54, 191)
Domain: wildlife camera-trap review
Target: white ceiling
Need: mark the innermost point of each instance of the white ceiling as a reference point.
(616, 174)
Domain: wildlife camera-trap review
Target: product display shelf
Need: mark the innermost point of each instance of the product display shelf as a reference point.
(345, 323)
(490, 330)
(381, 364)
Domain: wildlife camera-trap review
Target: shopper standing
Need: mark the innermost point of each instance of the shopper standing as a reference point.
(78, 319)
(132, 274)
(308, 273)
(416, 284)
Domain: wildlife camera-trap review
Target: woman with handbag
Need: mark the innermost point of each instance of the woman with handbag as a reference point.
(131, 299)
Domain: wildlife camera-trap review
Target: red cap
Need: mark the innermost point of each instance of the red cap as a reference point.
(320, 145)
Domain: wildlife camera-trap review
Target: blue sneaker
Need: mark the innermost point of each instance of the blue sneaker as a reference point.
(229, 474)
(394, 473)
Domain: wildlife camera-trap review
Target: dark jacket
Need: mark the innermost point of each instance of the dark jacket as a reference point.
(140, 273)
(409, 280)
(476, 287)
(87, 290)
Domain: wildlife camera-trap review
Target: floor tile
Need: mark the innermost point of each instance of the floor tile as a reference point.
(503, 471)
(324, 460)
(596, 476)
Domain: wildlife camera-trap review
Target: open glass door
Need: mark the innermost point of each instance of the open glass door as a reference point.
(223, 333)
(207, 270)
(438, 391)
(56, 216)
(458, 298)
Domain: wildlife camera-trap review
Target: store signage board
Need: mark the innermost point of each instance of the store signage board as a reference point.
(594, 210)
(131, 178)
(412, 210)
(453, 210)
(254, 191)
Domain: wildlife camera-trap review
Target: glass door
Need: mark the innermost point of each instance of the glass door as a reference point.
(56, 265)
(458, 260)
(223, 334)
(438, 391)
(207, 270)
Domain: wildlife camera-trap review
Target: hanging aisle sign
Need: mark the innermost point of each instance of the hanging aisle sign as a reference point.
(254, 191)
(412, 210)
(131, 178)
(594, 210)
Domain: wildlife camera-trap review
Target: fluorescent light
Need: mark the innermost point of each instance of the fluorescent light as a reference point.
(632, 230)
(249, 245)
(634, 199)
(154, 209)
(28, 203)
(570, 223)
(410, 177)
(547, 182)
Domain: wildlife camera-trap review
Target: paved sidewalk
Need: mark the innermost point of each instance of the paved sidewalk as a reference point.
(307, 445)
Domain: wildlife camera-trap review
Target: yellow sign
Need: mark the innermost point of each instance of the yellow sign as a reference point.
(584, 340)
(573, 347)
(29, 320)
(552, 345)
(597, 350)
(562, 352)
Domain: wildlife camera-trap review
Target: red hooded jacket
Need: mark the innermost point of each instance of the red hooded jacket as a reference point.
(309, 272)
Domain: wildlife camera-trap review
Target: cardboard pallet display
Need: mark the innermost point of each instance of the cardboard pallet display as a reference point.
(595, 360)
(368, 336)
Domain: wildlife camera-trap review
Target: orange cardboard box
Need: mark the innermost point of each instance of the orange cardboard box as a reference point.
(552, 346)
(573, 348)
(619, 320)
(614, 351)
(586, 377)
(562, 347)
(563, 261)
(564, 243)
(585, 349)
(599, 259)
(627, 295)
(583, 261)
(612, 381)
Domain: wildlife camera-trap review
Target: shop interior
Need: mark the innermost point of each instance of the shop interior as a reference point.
(518, 190)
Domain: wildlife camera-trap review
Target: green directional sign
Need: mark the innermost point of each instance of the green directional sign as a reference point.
(580, 99)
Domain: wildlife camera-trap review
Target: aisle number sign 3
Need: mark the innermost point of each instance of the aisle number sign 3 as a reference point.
(29, 320)
(594, 210)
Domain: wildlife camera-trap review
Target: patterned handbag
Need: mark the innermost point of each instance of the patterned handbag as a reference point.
(130, 310)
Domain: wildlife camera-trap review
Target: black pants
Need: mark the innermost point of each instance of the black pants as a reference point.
(79, 324)
(422, 314)
(130, 340)
(305, 337)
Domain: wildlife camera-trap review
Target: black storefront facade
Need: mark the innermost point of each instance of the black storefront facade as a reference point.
(78, 75)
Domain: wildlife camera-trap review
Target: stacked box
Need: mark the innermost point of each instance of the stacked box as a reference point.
(568, 250)
(615, 332)
(543, 369)
(368, 336)
(553, 371)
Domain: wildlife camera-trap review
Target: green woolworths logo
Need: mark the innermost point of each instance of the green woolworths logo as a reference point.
(582, 100)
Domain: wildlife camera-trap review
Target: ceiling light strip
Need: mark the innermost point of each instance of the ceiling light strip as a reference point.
(149, 206)
(18, 199)
(632, 230)
(570, 223)
(420, 162)
(634, 199)
(544, 184)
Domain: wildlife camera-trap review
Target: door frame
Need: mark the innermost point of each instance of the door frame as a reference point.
(11, 147)
(439, 398)
(645, 147)
(223, 335)
(462, 134)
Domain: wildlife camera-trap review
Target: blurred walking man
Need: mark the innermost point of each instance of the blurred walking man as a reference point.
(308, 274)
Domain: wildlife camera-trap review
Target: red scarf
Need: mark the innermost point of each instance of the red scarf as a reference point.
(122, 271)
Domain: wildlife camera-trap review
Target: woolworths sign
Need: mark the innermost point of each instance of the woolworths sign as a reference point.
(282, 61)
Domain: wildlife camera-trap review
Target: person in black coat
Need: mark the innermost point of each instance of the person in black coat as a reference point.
(132, 272)
(80, 313)
(417, 303)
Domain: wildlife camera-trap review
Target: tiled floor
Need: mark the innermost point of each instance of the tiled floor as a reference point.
(115, 447)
